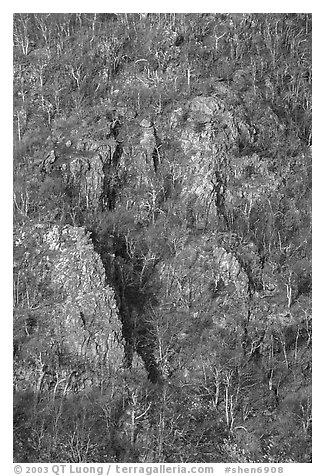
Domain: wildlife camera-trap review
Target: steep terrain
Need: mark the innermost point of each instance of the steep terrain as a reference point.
(162, 237)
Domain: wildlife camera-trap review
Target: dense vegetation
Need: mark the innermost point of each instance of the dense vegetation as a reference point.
(162, 230)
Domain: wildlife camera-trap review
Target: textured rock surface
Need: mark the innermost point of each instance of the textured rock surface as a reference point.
(213, 133)
(204, 275)
(76, 329)
(90, 168)
(88, 313)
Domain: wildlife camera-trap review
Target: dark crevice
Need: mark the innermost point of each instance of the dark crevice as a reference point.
(137, 331)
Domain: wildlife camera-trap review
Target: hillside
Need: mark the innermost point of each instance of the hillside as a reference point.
(162, 238)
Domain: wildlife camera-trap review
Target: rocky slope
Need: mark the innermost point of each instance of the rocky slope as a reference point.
(162, 273)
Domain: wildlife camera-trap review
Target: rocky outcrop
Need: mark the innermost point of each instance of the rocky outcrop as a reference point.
(70, 333)
(88, 312)
(91, 168)
(218, 143)
(210, 277)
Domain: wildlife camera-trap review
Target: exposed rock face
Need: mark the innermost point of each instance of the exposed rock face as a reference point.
(209, 288)
(96, 173)
(214, 135)
(92, 169)
(206, 276)
(204, 107)
(76, 331)
(88, 312)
